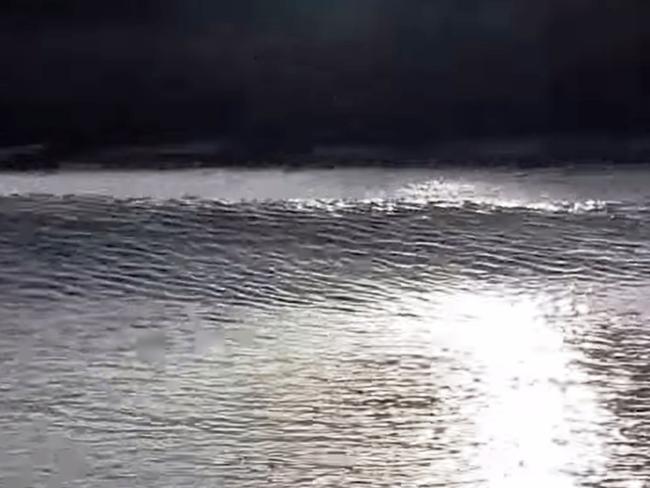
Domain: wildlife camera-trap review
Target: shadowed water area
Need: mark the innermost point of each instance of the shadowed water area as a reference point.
(335, 328)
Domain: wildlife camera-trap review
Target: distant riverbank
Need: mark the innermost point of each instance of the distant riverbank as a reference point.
(530, 151)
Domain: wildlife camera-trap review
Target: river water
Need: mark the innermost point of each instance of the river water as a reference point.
(330, 328)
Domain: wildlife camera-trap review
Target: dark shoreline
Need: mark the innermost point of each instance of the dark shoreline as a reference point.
(521, 152)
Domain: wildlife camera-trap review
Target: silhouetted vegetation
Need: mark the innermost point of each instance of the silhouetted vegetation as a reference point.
(288, 75)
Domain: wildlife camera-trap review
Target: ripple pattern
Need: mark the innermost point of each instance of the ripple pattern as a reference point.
(331, 343)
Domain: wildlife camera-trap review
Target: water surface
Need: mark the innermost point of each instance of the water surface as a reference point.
(360, 327)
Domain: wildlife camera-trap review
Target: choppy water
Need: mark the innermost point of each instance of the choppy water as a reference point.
(414, 328)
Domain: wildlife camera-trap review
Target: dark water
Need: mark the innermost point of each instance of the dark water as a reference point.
(325, 328)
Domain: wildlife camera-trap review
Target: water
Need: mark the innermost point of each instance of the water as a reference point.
(361, 327)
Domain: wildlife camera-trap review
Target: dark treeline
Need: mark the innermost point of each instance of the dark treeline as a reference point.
(290, 74)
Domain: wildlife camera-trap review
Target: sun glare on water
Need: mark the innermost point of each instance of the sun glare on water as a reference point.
(531, 410)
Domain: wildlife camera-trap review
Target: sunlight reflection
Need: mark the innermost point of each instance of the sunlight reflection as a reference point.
(452, 193)
(533, 424)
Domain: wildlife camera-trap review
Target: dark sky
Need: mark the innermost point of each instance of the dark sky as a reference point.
(313, 71)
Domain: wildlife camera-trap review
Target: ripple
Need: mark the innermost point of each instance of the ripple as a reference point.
(401, 341)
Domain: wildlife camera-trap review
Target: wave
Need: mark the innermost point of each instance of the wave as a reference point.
(596, 190)
(297, 250)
